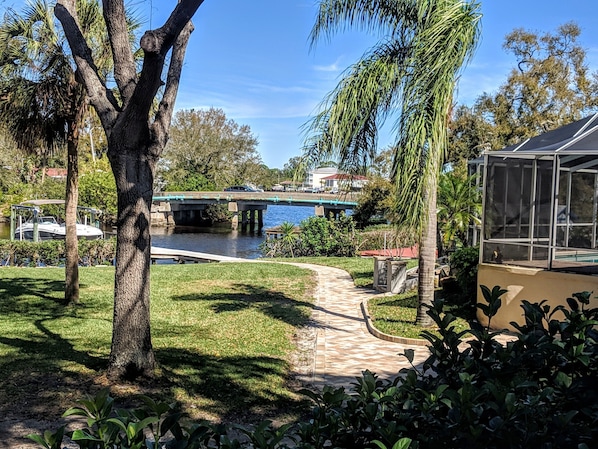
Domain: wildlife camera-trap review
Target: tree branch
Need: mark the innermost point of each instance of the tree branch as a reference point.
(162, 39)
(164, 115)
(125, 73)
(156, 44)
(101, 97)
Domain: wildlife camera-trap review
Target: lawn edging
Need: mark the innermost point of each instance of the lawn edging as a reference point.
(381, 335)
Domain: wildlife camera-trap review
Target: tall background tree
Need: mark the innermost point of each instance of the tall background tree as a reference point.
(549, 86)
(412, 72)
(207, 151)
(137, 132)
(41, 103)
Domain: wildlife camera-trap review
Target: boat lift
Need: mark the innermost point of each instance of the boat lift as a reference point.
(34, 209)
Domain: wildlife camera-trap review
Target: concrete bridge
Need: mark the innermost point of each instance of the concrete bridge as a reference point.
(187, 208)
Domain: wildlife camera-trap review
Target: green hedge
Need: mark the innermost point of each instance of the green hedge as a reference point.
(52, 252)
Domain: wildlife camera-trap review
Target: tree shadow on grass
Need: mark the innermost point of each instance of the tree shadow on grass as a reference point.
(36, 377)
(30, 296)
(228, 389)
(274, 304)
(34, 356)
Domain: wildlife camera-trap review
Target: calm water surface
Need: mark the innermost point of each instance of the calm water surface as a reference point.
(219, 240)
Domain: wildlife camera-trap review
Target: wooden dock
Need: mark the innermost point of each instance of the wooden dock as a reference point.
(182, 256)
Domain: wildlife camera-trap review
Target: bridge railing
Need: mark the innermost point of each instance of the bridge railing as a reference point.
(345, 199)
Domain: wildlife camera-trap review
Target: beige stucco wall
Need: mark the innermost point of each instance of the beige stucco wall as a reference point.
(531, 284)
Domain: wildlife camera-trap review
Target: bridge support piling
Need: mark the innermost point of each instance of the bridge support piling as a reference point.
(244, 221)
(232, 207)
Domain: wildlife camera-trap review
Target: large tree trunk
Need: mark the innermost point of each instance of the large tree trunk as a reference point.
(427, 253)
(133, 150)
(131, 353)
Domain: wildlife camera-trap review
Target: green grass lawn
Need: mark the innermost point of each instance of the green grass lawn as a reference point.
(395, 315)
(222, 335)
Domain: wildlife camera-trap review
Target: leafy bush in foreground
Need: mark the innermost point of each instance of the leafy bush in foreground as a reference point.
(539, 390)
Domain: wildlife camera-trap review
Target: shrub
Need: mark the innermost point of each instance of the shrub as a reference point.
(535, 391)
(318, 237)
(52, 252)
(464, 266)
(323, 237)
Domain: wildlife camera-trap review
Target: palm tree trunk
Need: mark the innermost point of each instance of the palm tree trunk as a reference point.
(71, 266)
(427, 253)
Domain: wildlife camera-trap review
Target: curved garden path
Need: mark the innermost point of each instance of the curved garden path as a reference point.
(343, 345)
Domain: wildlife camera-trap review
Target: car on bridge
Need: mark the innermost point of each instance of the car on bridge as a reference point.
(243, 188)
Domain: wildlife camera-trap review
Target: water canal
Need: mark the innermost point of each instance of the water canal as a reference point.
(219, 240)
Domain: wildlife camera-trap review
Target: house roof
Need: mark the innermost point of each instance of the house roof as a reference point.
(345, 177)
(576, 143)
(324, 170)
(580, 137)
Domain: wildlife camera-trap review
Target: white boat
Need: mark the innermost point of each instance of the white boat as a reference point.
(48, 227)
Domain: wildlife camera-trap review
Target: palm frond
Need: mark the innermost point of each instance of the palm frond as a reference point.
(346, 129)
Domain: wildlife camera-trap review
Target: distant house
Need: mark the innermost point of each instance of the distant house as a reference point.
(330, 179)
(56, 173)
(315, 177)
(344, 182)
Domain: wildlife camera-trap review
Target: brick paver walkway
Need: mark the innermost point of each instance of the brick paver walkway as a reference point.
(344, 347)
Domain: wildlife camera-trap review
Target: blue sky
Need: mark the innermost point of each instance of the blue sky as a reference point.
(252, 59)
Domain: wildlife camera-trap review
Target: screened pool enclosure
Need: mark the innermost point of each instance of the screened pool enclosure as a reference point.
(540, 201)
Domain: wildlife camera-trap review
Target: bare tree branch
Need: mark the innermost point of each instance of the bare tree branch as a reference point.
(161, 39)
(156, 44)
(164, 114)
(101, 97)
(125, 72)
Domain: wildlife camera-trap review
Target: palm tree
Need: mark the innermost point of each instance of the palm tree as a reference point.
(288, 236)
(41, 101)
(411, 75)
(459, 206)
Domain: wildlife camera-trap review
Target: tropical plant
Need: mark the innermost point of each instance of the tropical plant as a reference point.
(413, 72)
(288, 236)
(459, 207)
